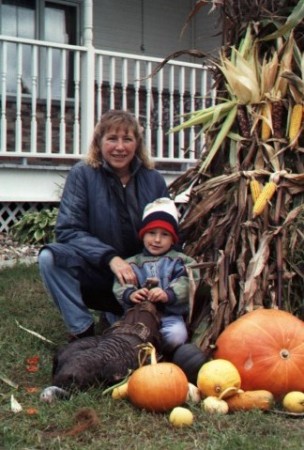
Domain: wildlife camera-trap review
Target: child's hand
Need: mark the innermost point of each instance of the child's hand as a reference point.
(157, 295)
(139, 296)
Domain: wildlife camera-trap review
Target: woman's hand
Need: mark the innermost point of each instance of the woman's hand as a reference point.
(123, 271)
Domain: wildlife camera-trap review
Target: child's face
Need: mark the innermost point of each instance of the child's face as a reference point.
(157, 241)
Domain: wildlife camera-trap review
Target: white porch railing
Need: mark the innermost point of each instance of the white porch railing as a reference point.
(53, 94)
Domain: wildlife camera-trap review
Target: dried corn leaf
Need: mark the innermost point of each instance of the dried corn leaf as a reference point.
(255, 267)
(39, 336)
(8, 381)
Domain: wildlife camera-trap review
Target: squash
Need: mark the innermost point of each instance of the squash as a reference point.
(294, 402)
(247, 400)
(218, 376)
(190, 359)
(215, 405)
(157, 387)
(181, 417)
(267, 348)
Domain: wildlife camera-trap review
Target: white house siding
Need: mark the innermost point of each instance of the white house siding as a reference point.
(126, 26)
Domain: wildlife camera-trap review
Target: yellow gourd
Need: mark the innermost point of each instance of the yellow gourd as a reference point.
(214, 377)
(181, 417)
(294, 402)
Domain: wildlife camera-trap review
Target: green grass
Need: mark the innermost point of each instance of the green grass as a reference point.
(119, 424)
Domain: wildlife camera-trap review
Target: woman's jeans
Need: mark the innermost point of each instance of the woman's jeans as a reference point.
(74, 290)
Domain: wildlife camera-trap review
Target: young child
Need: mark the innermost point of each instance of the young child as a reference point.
(162, 273)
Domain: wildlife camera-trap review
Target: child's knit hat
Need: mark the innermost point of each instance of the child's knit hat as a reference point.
(162, 213)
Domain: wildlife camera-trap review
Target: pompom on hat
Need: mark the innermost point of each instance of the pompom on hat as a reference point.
(162, 213)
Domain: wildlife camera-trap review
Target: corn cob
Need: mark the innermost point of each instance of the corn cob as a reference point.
(255, 189)
(277, 118)
(295, 122)
(266, 130)
(264, 197)
(243, 121)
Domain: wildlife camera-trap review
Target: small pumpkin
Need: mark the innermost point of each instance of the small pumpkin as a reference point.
(190, 359)
(181, 417)
(218, 376)
(157, 386)
(247, 400)
(267, 348)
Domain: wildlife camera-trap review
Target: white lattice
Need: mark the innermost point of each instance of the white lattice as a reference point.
(11, 212)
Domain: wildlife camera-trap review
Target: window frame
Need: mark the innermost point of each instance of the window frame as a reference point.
(39, 25)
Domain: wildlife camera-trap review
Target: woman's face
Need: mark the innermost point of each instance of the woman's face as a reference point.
(118, 147)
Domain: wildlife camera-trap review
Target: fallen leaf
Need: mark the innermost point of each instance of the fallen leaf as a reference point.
(33, 360)
(31, 389)
(32, 368)
(31, 411)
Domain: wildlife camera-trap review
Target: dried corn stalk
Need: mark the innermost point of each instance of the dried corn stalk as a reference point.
(243, 255)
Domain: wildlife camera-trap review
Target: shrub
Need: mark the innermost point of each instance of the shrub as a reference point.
(36, 227)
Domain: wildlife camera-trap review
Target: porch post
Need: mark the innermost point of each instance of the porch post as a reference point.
(88, 78)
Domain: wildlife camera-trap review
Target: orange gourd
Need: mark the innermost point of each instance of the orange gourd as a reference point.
(157, 387)
(267, 348)
(245, 401)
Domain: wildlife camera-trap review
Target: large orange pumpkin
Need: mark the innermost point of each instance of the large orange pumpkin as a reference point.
(267, 348)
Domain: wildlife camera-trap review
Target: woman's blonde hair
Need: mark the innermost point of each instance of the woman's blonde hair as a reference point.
(117, 119)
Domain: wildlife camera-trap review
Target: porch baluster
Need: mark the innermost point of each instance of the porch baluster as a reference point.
(160, 133)
(149, 106)
(190, 150)
(112, 83)
(181, 134)
(124, 76)
(34, 99)
(136, 88)
(99, 80)
(76, 124)
(62, 143)
(3, 98)
(18, 123)
(171, 112)
(48, 111)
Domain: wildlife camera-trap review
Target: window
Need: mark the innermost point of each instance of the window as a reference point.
(44, 20)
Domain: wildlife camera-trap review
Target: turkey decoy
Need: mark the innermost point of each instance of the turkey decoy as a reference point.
(108, 358)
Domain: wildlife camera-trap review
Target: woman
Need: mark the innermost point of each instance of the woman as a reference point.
(98, 222)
